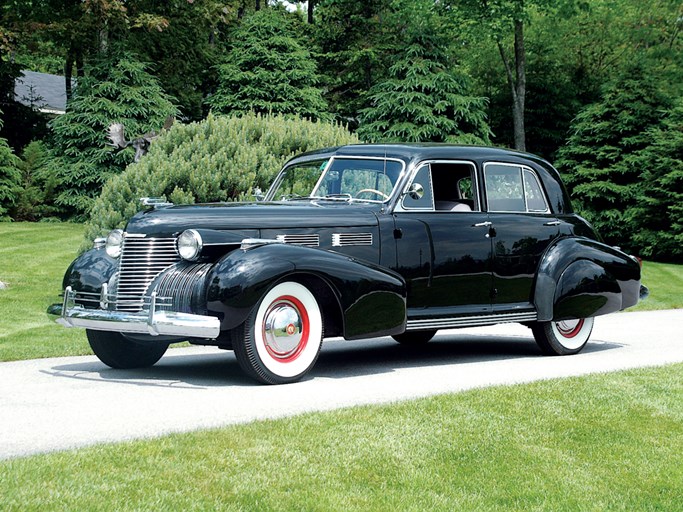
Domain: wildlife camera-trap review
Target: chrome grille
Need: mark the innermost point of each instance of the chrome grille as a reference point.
(142, 259)
(186, 284)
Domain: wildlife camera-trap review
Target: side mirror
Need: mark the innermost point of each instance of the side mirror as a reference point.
(258, 194)
(416, 191)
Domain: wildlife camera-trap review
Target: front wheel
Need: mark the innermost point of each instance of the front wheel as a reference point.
(564, 337)
(117, 351)
(280, 341)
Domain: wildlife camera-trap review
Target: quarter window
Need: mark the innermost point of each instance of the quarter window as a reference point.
(512, 188)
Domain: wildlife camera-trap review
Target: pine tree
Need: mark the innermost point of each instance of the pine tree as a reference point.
(425, 98)
(656, 220)
(600, 162)
(116, 90)
(10, 177)
(268, 70)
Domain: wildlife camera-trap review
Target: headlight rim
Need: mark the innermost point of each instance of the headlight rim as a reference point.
(197, 246)
(112, 248)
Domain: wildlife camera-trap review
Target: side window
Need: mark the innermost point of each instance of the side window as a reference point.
(513, 188)
(426, 202)
(535, 200)
(504, 188)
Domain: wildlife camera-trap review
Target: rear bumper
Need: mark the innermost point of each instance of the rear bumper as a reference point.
(152, 321)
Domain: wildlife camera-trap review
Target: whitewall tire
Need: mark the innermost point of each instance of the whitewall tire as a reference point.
(564, 337)
(280, 341)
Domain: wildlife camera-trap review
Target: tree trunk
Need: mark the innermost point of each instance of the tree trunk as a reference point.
(68, 66)
(311, 5)
(517, 83)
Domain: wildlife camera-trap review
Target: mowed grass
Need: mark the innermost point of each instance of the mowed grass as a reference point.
(602, 442)
(665, 282)
(33, 259)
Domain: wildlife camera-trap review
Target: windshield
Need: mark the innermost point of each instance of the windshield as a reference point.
(348, 179)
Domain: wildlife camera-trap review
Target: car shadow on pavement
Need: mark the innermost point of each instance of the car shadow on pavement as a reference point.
(338, 359)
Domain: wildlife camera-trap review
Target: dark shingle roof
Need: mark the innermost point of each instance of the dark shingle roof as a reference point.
(45, 92)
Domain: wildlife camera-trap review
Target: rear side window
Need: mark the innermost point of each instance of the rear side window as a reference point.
(513, 188)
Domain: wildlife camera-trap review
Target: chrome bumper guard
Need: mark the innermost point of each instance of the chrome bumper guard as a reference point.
(150, 321)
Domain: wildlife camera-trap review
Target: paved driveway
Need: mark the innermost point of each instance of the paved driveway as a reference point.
(55, 404)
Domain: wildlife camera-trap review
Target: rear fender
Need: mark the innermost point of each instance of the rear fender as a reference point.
(370, 298)
(580, 277)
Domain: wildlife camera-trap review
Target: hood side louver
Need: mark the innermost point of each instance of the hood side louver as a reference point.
(349, 239)
(307, 240)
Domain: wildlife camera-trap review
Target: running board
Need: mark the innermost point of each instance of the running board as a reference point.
(470, 321)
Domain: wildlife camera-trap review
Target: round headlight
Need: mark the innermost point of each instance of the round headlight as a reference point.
(189, 245)
(114, 243)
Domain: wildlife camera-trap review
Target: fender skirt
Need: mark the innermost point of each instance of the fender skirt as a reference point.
(580, 278)
(372, 299)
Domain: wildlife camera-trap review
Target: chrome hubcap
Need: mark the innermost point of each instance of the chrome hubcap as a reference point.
(283, 330)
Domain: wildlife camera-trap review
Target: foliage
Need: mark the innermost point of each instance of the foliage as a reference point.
(656, 219)
(218, 159)
(35, 197)
(598, 442)
(10, 178)
(425, 97)
(118, 90)
(600, 162)
(268, 70)
(356, 40)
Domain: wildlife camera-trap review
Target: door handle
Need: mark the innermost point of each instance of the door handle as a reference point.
(552, 223)
(483, 224)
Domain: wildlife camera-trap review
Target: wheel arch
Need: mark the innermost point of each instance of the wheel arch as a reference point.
(350, 288)
(579, 277)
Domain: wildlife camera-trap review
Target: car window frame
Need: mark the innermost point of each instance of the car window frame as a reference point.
(475, 186)
(523, 168)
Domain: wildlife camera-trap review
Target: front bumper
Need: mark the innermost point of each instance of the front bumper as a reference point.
(151, 321)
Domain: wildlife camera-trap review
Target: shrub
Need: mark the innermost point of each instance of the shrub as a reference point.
(218, 159)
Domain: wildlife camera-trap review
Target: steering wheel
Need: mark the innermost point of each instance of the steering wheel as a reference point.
(372, 190)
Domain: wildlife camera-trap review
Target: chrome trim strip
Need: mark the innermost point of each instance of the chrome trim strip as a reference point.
(471, 321)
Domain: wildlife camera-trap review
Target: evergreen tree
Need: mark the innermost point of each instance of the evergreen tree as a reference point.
(600, 161)
(10, 177)
(268, 70)
(656, 220)
(425, 97)
(120, 91)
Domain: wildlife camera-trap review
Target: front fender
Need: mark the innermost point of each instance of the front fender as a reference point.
(87, 272)
(579, 277)
(371, 298)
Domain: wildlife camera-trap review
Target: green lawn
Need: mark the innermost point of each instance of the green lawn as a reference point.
(602, 442)
(34, 256)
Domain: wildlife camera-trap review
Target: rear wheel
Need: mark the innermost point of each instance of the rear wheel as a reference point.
(117, 351)
(414, 338)
(280, 341)
(564, 337)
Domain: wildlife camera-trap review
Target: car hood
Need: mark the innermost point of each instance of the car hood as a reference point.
(250, 218)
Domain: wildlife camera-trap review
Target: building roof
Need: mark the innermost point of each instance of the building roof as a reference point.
(45, 92)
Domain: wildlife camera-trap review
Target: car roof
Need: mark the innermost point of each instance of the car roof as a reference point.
(418, 151)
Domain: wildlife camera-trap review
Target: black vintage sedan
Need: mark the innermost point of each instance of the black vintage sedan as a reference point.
(355, 241)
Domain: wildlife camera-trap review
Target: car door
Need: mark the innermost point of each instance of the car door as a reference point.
(444, 246)
(523, 227)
